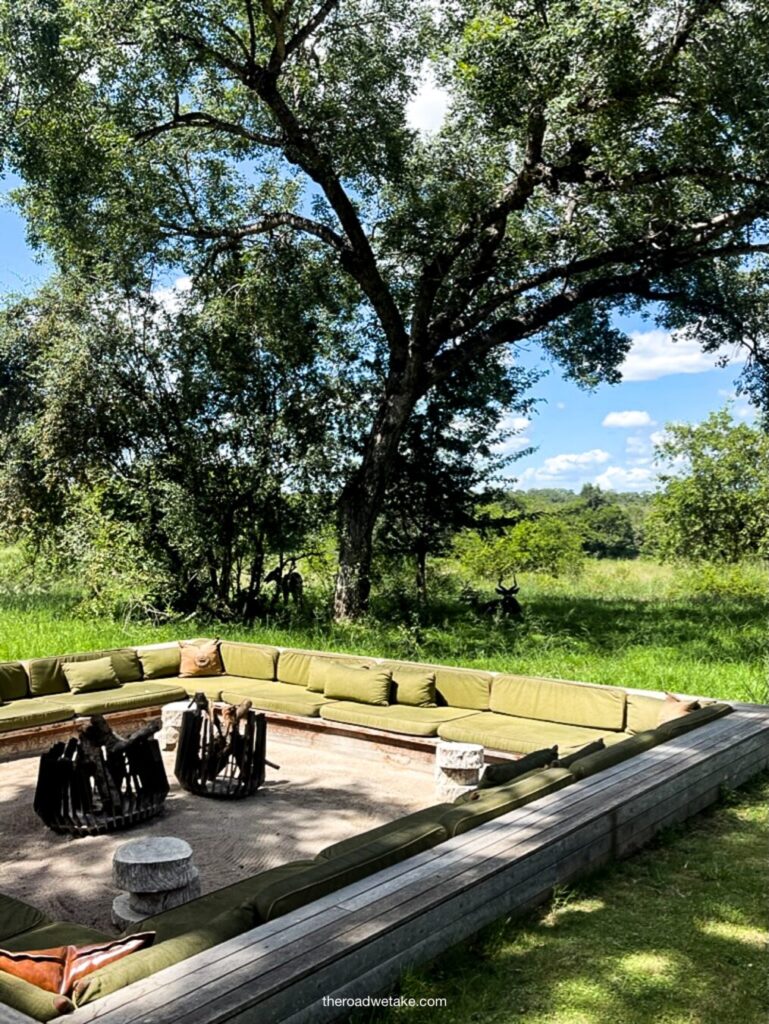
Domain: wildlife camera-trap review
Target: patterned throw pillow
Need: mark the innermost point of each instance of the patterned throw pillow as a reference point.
(200, 660)
(56, 970)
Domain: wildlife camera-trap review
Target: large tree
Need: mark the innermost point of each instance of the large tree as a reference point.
(597, 156)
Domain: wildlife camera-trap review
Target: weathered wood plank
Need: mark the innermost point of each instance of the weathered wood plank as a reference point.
(10, 1016)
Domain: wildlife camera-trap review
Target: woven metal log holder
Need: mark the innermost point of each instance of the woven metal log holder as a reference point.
(86, 789)
(211, 760)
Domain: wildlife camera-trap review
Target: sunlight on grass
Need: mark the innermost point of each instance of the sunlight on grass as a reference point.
(754, 937)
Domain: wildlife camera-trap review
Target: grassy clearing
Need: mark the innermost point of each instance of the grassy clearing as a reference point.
(674, 935)
(626, 623)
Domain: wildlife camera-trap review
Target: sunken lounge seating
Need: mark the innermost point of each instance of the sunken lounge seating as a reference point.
(593, 728)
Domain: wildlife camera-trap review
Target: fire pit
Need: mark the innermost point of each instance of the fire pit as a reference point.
(101, 782)
(221, 751)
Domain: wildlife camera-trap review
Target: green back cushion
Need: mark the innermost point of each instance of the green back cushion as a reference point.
(491, 803)
(16, 917)
(321, 670)
(499, 774)
(412, 685)
(89, 676)
(546, 700)
(159, 662)
(13, 681)
(352, 682)
(589, 748)
(253, 661)
(582, 767)
(204, 935)
(462, 688)
(46, 675)
(29, 999)
(294, 666)
(642, 712)
(405, 834)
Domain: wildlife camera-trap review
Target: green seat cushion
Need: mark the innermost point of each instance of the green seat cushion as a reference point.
(49, 934)
(265, 696)
(409, 834)
(17, 916)
(13, 681)
(129, 696)
(29, 999)
(294, 665)
(590, 748)
(34, 711)
(204, 934)
(91, 676)
(411, 684)
(211, 686)
(357, 683)
(582, 767)
(500, 774)
(283, 889)
(519, 735)
(678, 726)
(491, 803)
(159, 662)
(394, 718)
(47, 677)
(254, 661)
(550, 700)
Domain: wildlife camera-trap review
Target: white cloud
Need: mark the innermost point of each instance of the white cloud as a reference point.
(657, 354)
(622, 478)
(561, 468)
(170, 298)
(628, 419)
(427, 109)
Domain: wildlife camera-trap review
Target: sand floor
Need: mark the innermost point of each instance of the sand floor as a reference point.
(317, 798)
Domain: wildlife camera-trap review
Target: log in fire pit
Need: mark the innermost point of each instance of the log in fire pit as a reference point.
(221, 750)
(100, 781)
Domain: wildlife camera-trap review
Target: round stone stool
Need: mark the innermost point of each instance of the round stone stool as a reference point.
(157, 874)
(458, 769)
(171, 716)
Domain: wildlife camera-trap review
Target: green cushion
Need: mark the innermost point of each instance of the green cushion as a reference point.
(677, 726)
(591, 748)
(159, 662)
(519, 735)
(462, 687)
(17, 916)
(253, 661)
(47, 677)
(582, 767)
(643, 712)
(29, 999)
(203, 935)
(548, 700)
(412, 685)
(152, 694)
(89, 676)
(284, 698)
(321, 670)
(294, 665)
(13, 681)
(356, 683)
(283, 890)
(55, 933)
(34, 711)
(491, 803)
(500, 774)
(409, 834)
(394, 718)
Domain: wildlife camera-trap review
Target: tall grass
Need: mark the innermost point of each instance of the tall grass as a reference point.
(630, 623)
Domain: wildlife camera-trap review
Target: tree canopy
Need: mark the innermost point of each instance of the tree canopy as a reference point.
(598, 156)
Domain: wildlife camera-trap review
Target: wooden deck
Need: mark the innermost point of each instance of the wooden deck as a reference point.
(357, 941)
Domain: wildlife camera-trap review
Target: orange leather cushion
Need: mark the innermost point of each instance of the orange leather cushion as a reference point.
(200, 660)
(672, 708)
(56, 970)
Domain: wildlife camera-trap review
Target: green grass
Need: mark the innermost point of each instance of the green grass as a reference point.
(623, 623)
(675, 935)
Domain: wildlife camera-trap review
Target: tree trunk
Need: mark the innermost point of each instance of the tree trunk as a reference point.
(362, 496)
(421, 561)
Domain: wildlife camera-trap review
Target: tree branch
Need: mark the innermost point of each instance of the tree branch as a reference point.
(268, 223)
(201, 119)
(307, 29)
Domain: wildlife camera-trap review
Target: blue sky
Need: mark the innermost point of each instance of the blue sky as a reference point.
(604, 437)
